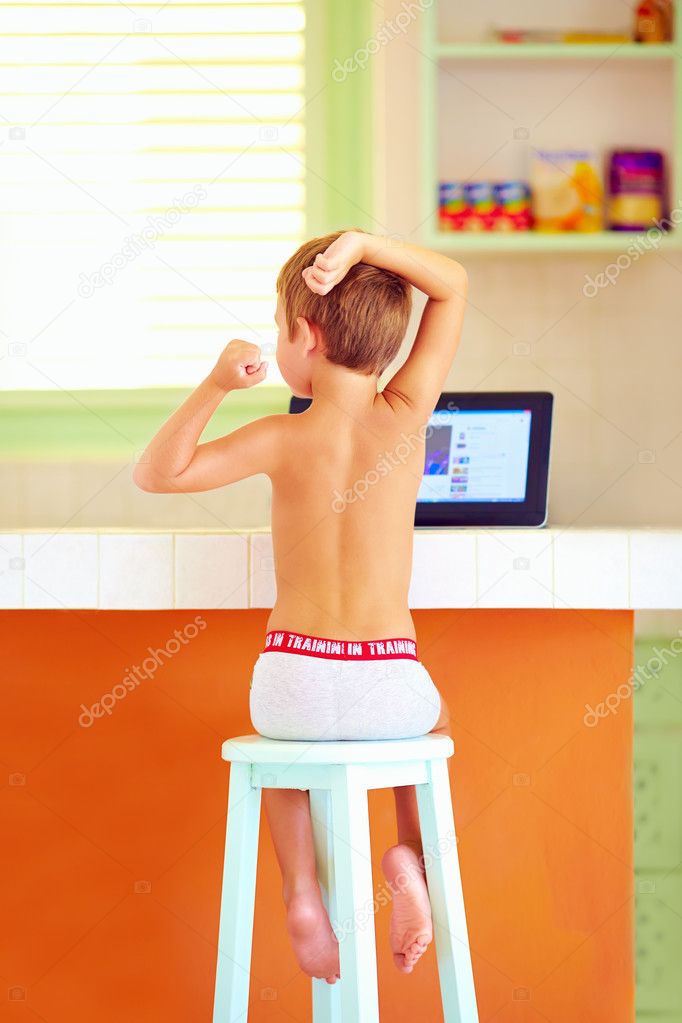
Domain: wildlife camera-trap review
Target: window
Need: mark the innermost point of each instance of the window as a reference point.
(151, 185)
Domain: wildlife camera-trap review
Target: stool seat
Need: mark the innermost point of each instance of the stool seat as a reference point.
(256, 749)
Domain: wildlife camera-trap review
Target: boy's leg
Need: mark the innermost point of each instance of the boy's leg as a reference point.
(407, 814)
(314, 942)
(442, 725)
(403, 867)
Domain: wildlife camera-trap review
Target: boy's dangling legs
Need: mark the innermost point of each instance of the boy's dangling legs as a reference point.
(314, 942)
(411, 929)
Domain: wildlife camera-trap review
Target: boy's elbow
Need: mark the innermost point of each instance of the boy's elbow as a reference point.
(453, 281)
(146, 479)
(460, 279)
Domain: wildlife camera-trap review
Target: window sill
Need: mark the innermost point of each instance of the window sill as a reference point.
(113, 426)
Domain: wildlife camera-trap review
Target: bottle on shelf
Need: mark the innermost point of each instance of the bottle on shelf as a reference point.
(653, 21)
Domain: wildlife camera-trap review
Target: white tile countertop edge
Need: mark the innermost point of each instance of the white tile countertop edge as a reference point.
(113, 569)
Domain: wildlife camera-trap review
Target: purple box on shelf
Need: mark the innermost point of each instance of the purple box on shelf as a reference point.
(636, 189)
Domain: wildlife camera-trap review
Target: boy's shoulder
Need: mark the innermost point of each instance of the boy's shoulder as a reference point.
(274, 425)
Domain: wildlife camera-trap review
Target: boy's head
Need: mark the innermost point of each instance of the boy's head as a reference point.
(359, 324)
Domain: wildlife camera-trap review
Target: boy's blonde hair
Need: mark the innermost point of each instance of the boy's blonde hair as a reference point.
(363, 318)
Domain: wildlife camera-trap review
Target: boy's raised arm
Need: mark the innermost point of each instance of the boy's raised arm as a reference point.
(175, 462)
(419, 381)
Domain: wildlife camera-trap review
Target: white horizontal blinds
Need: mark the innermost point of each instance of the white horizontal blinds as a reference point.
(151, 185)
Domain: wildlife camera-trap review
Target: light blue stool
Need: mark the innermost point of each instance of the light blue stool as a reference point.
(338, 775)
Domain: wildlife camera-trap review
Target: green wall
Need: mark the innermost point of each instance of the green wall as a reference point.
(658, 831)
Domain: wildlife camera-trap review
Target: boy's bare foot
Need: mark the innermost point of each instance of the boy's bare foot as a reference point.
(411, 930)
(315, 945)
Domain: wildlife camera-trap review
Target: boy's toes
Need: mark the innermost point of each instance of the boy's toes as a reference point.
(414, 952)
(401, 964)
(407, 960)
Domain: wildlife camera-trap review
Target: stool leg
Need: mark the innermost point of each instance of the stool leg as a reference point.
(354, 923)
(447, 901)
(231, 1003)
(326, 997)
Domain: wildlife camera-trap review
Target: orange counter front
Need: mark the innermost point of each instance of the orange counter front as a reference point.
(111, 874)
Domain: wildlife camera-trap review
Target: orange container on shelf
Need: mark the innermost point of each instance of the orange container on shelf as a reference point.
(653, 21)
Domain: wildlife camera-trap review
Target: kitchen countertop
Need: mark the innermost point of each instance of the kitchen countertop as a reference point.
(560, 567)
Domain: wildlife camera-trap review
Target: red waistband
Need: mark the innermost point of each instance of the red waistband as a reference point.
(341, 649)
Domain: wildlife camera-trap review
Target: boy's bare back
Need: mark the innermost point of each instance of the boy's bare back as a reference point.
(343, 497)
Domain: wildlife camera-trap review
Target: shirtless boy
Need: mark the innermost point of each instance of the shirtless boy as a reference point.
(340, 655)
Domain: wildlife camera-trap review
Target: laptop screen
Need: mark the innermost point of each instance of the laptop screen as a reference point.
(477, 455)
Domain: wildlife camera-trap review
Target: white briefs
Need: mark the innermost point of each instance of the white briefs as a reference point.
(358, 694)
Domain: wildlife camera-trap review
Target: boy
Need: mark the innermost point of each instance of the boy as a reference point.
(340, 656)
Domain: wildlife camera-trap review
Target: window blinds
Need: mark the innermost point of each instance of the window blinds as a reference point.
(151, 185)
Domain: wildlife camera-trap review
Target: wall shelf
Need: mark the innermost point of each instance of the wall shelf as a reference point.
(439, 56)
(536, 241)
(554, 51)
